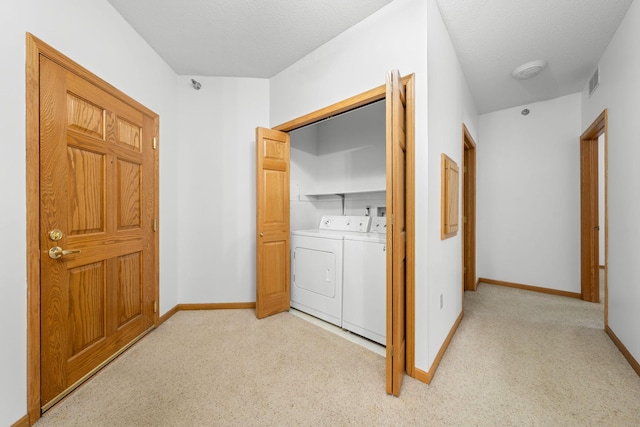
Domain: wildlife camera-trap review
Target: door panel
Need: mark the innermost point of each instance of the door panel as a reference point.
(396, 232)
(589, 222)
(87, 287)
(273, 287)
(97, 188)
(129, 191)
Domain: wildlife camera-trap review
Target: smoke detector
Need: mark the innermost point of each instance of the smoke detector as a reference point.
(529, 69)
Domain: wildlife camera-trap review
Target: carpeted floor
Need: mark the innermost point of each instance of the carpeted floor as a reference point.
(518, 358)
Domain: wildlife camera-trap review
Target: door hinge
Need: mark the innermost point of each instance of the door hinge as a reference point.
(464, 219)
(155, 306)
(155, 143)
(464, 169)
(155, 225)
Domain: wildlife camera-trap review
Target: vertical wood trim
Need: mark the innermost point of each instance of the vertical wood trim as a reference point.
(410, 222)
(33, 227)
(156, 219)
(605, 117)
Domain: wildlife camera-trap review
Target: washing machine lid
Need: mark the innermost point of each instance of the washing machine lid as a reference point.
(366, 237)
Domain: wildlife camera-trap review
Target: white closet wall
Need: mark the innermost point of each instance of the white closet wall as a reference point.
(340, 157)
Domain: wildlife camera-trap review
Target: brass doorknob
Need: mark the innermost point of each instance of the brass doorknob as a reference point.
(57, 252)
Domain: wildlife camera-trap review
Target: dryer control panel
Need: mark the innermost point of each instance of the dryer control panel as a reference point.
(379, 224)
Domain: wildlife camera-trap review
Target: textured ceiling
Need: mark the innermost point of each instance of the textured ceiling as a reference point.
(492, 37)
(259, 38)
(240, 38)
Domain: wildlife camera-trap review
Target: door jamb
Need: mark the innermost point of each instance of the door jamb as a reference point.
(594, 131)
(468, 211)
(34, 49)
(368, 97)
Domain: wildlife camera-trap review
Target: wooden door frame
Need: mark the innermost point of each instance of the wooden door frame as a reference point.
(590, 136)
(34, 49)
(468, 211)
(368, 97)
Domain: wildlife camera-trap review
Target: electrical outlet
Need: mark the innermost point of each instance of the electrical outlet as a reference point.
(441, 301)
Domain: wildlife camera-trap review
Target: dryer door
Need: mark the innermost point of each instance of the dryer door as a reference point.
(315, 271)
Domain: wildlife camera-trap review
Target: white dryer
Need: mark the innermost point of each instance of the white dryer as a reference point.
(317, 266)
(364, 282)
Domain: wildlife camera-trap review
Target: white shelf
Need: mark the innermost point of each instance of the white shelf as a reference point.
(344, 193)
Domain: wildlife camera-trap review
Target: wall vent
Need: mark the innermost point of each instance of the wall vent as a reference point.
(594, 82)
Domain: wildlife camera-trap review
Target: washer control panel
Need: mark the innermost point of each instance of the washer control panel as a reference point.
(346, 223)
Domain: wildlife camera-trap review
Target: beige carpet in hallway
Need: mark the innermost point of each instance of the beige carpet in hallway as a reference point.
(518, 358)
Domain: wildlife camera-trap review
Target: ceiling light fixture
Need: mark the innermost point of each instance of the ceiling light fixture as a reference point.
(528, 70)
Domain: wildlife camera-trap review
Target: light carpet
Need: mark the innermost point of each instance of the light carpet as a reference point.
(518, 358)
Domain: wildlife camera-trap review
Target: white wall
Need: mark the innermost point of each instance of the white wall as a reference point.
(619, 92)
(351, 151)
(450, 105)
(95, 36)
(529, 195)
(217, 187)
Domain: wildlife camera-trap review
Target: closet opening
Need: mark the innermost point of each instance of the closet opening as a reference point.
(388, 196)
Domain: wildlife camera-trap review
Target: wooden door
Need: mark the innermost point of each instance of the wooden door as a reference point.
(273, 292)
(97, 255)
(589, 221)
(396, 232)
(468, 212)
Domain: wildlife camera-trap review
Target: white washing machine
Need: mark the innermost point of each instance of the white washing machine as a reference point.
(317, 266)
(364, 283)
